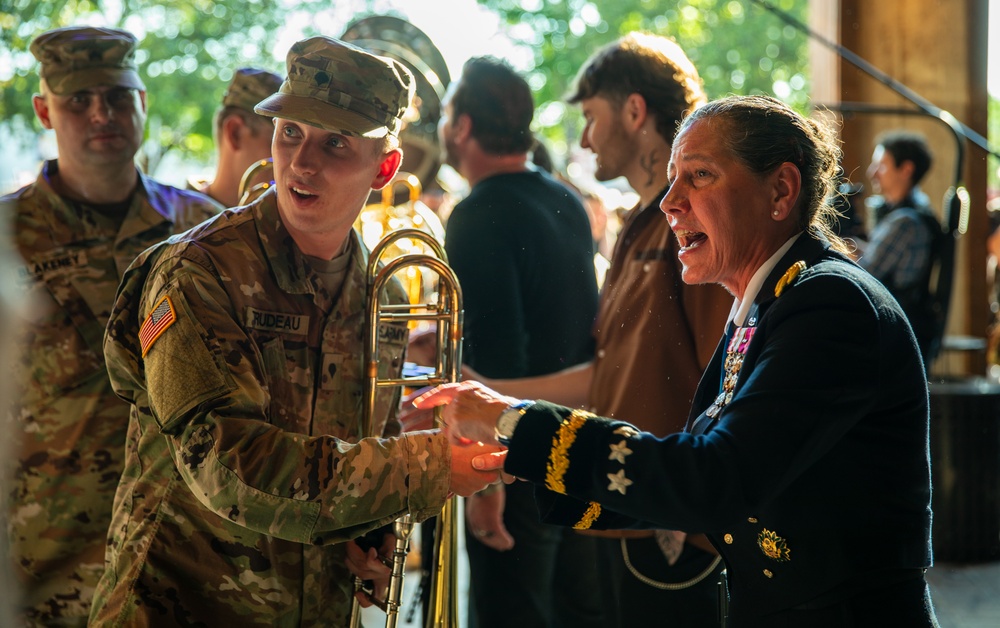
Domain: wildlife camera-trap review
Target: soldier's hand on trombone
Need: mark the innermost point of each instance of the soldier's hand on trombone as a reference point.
(372, 565)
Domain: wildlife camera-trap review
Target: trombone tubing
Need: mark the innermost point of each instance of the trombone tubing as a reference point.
(449, 315)
(442, 611)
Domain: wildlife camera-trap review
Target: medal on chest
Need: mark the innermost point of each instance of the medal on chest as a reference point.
(736, 350)
(735, 353)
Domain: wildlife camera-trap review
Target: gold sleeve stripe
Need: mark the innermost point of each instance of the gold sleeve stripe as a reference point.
(589, 517)
(559, 456)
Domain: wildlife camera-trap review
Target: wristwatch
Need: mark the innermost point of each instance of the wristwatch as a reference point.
(508, 419)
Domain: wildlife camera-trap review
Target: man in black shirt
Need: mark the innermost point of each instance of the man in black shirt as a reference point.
(521, 246)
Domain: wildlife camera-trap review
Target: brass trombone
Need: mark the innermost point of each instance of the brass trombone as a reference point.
(255, 181)
(378, 219)
(446, 311)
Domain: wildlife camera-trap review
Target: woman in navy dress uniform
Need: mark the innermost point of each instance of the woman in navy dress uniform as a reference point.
(806, 455)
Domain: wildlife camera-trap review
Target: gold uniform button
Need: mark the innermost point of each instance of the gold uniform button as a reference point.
(767, 572)
(728, 539)
(752, 519)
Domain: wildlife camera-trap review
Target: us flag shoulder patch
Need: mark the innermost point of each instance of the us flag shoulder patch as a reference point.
(156, 323)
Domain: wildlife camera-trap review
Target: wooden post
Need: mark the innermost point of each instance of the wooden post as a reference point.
(938, 50)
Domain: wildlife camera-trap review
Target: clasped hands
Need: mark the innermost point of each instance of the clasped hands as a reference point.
(468, 416)
(469, 412)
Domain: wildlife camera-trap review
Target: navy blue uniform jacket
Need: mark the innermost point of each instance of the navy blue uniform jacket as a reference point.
(816, 474)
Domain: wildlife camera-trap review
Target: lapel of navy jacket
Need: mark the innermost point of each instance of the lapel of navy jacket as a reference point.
(817, 471)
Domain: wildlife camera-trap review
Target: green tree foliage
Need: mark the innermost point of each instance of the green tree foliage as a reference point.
(737, 46)
(190, 48)
(188, 52)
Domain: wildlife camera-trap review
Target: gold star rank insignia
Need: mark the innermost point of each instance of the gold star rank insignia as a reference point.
(618, 481)
(619, 451)
(627, 431)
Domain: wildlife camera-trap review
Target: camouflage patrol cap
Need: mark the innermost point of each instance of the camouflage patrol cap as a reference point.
(342, 88)
(250, 86)
(79, 57)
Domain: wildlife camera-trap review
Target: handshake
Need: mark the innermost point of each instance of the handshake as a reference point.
(469, 413)
(468, 416)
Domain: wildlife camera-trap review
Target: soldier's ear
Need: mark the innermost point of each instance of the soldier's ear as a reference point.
(388, 168)
(231, 131)
(41, 107)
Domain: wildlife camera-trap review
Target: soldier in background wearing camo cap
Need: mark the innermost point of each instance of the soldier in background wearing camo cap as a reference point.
(240, 347)
(242, 137)
(77, 227)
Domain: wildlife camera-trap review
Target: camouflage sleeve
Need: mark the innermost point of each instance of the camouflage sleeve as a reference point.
(206, 392)
(121, 340)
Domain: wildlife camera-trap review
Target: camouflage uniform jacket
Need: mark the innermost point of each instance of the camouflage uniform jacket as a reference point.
(72, 425)
(244, 472)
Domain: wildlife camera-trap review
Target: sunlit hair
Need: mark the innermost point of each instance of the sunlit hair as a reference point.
(763, 133)
(499, 103)
(649, 65)
(908, 146)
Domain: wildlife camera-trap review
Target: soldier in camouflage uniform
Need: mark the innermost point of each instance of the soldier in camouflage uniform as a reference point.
(240, 346)
(242, 137)
(12, 307)
(77, 228)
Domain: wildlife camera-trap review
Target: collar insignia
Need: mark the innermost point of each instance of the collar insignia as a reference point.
(789, 277)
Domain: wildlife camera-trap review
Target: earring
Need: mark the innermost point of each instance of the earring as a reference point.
(774, 213)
